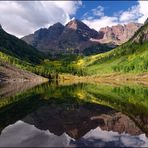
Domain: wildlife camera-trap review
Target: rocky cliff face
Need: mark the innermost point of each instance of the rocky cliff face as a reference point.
(118, 34)
(45, 39)
(12, 74)
(76, 122)
(76, 36)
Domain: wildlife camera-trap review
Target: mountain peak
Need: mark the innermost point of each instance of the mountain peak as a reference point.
(56, 25)
(75, 21)
(75, 24)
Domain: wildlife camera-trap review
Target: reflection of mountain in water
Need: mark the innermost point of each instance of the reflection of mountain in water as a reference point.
(75, 110)
(77, 121)
(22, 134)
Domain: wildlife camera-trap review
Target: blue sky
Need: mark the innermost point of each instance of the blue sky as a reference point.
(110, 7)
(28, 16)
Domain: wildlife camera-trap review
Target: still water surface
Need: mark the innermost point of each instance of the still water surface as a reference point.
(74, 115)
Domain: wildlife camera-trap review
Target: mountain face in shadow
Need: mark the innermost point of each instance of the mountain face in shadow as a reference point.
(71, 38)
(75, 37)
(76, 121)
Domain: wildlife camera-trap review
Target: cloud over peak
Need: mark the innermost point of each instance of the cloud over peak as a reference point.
(137, 13)
(24, 17)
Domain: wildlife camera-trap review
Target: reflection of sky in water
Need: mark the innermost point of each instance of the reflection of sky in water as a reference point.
(23, 134)
(98, 137)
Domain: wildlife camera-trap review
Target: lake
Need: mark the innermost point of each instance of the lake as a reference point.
(65, 114)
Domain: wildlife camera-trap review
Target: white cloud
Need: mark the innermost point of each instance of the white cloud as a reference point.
(69, 7)
(24, 17)
(102, 22)
(94, 12)
(143, 9)
(137, 13)
(98, 11)
(96, 18)
(131, 15)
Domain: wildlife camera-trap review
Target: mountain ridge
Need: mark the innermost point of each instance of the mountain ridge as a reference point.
(74, 37)
(13, 46)
(118, 34)
(71, 37)
(130, 57)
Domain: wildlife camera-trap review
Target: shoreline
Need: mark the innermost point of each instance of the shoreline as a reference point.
(68, 78)
(109, 78)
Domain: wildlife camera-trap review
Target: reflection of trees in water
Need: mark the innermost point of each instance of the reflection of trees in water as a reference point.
(126, 90)
(131, 100)
(78, 121)
(70, 99)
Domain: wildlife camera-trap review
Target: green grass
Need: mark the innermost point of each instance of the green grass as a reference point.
(127, 58)
(130, 57)
(17, 48)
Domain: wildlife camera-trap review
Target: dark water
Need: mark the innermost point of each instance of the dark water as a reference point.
(74, 115)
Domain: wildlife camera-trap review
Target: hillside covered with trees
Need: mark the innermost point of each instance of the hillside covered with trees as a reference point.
(130, 57)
